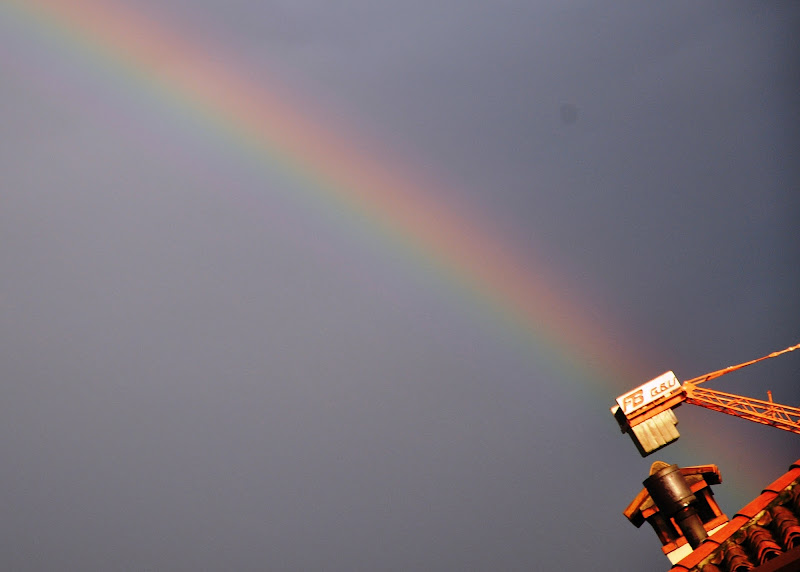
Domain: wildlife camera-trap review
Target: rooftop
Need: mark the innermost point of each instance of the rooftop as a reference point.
(764, 536)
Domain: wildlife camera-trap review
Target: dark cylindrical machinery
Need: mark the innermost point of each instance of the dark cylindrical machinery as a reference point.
(672, 496)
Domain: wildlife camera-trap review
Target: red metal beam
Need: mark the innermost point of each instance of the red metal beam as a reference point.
(765, 412)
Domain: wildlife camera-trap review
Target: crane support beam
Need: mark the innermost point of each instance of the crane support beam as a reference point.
(765, 412)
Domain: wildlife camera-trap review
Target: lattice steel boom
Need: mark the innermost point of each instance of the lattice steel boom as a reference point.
(646, 413)
(766, 412)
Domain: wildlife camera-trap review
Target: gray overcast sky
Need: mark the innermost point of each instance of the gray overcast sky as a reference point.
(198, 377)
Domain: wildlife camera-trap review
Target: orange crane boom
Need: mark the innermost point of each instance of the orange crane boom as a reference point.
(646, 413)
(765, 412)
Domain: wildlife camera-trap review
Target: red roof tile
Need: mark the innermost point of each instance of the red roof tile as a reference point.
(744, 543)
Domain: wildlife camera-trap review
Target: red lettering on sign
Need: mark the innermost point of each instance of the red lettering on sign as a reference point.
(656, 391)
(632, 400)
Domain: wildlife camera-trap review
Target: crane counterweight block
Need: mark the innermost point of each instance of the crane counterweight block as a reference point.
(646, 413)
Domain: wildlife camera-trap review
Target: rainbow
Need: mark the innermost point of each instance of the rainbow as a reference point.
(339, 171)
(337, 168)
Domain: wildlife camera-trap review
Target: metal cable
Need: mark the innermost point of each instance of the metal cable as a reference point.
(730, 368)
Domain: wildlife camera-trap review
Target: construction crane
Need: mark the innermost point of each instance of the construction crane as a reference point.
(646, 413)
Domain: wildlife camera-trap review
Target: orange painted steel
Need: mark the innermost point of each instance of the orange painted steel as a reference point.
(730, 368)
(765, 412)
